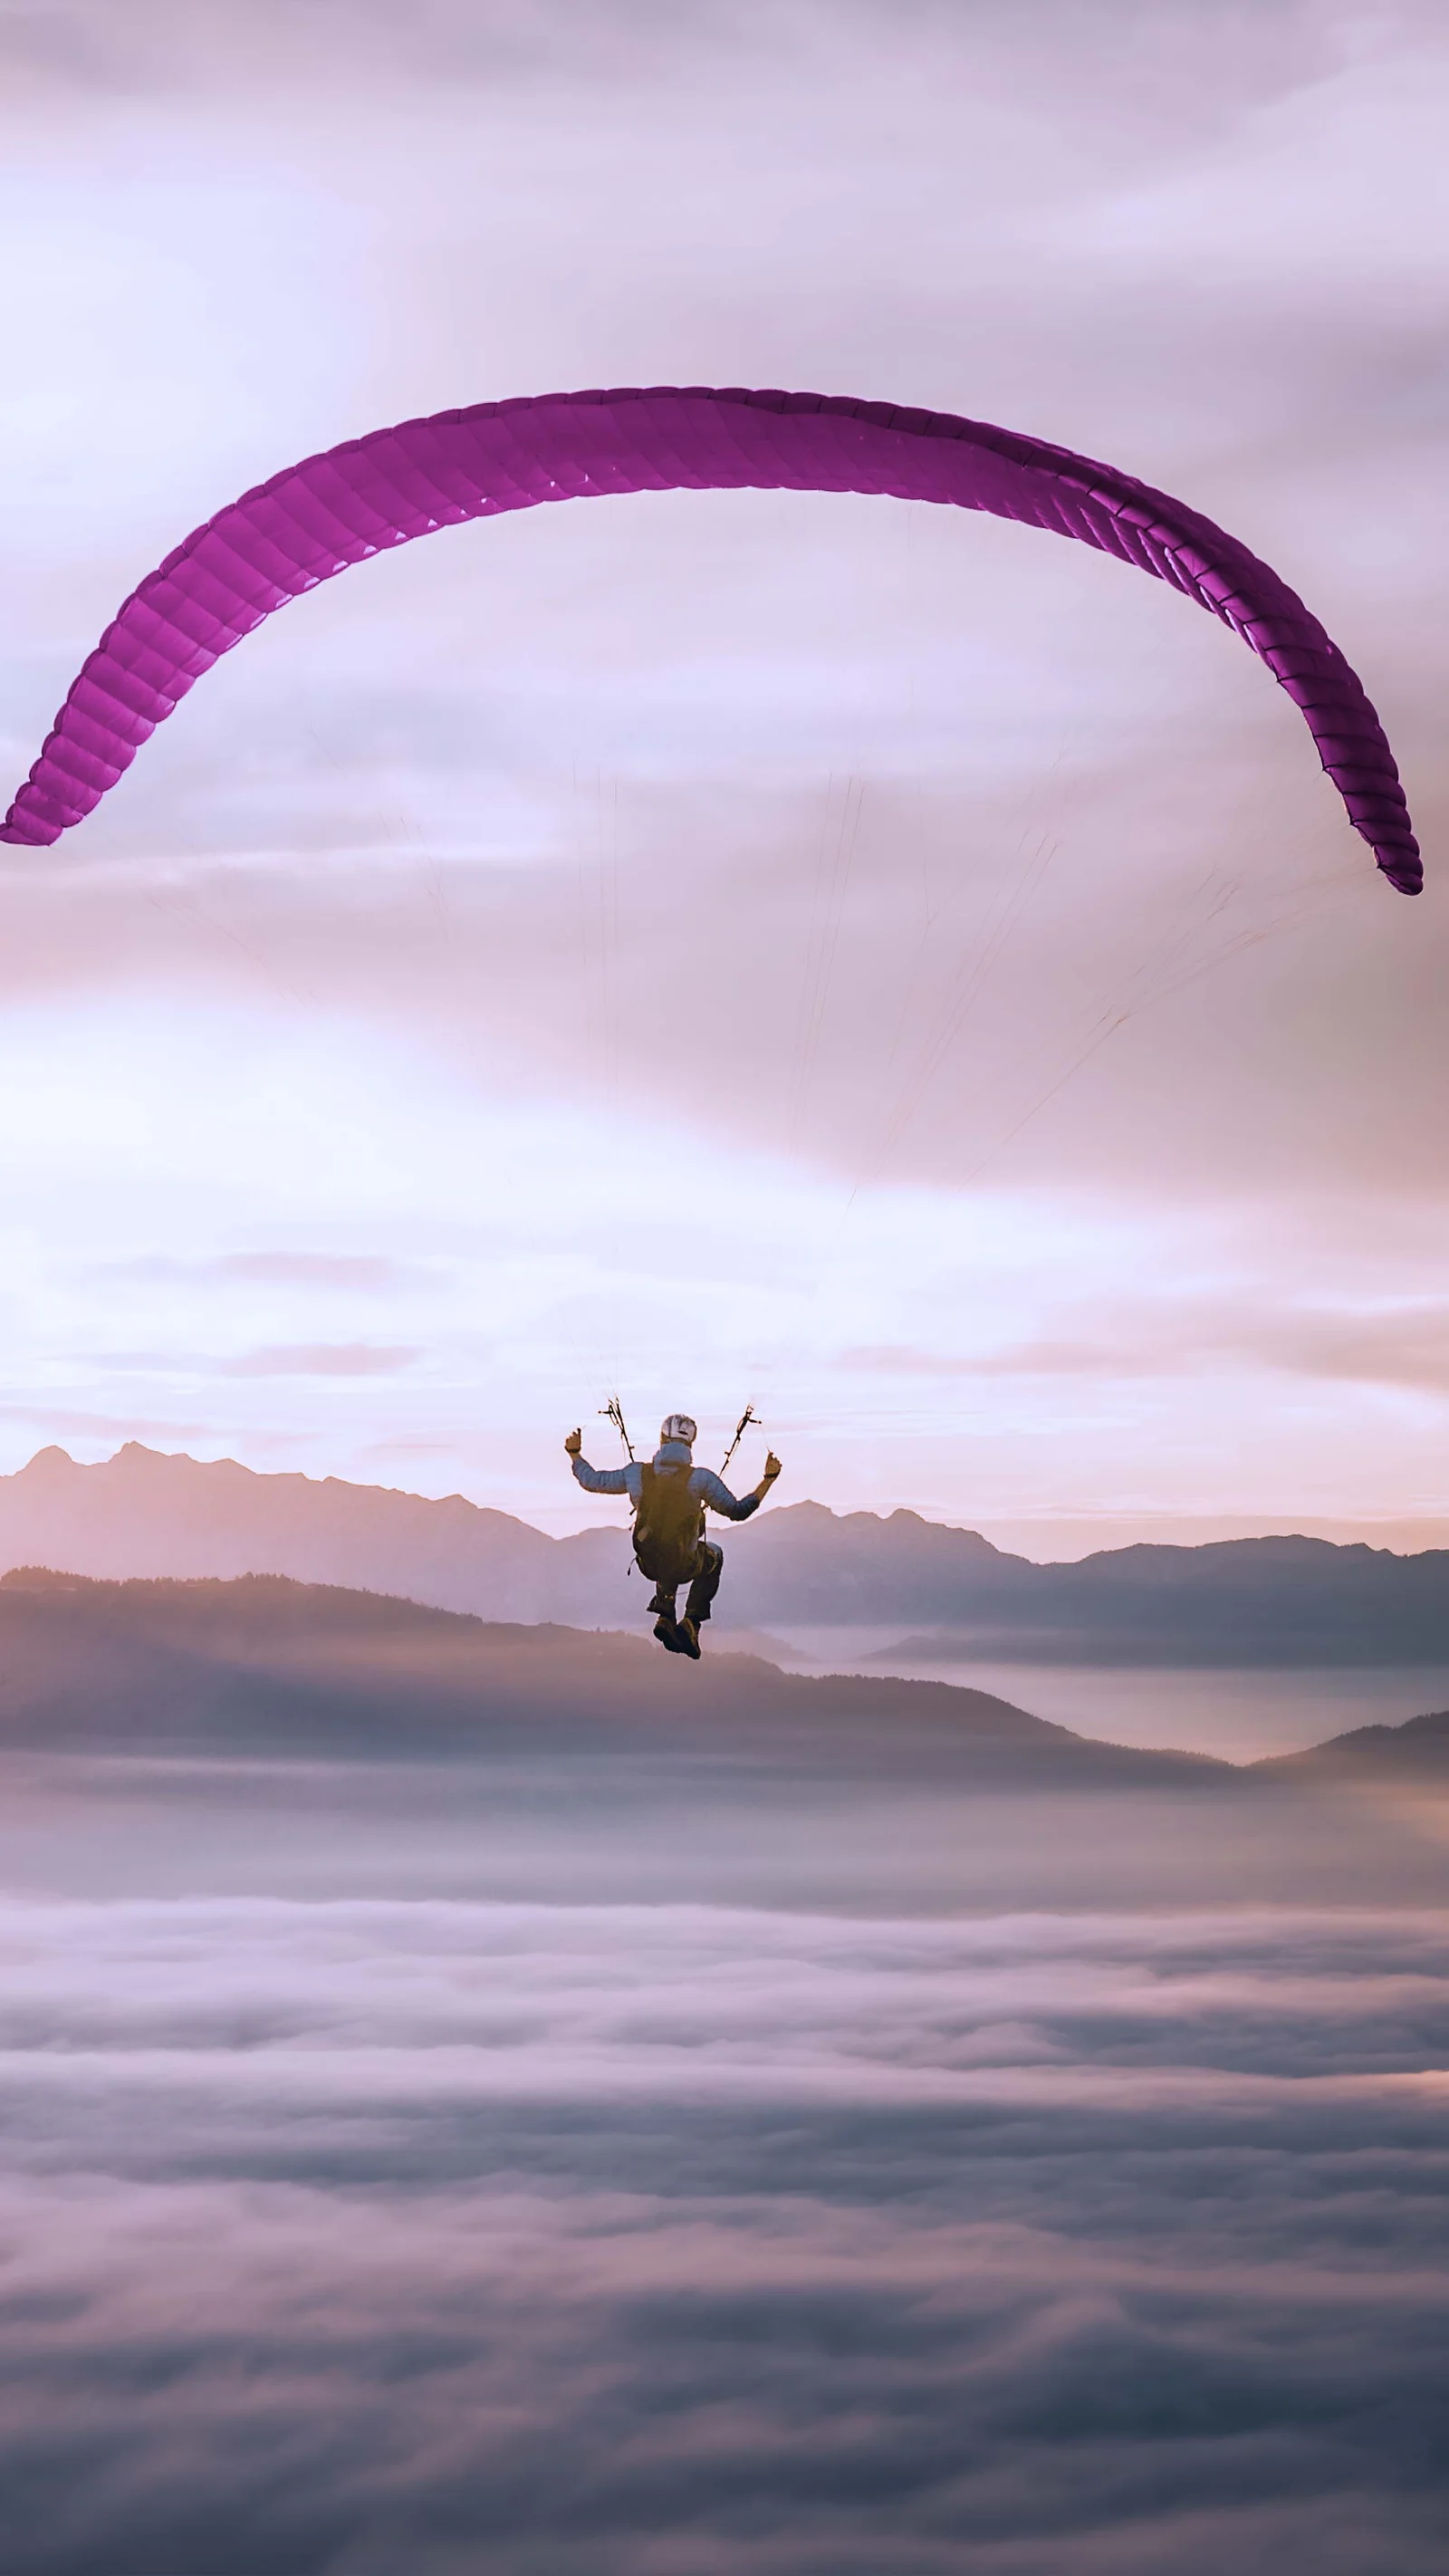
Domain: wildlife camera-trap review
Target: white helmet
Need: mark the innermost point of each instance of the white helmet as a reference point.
(678, 1426)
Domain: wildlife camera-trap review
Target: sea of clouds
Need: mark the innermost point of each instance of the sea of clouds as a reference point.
(669, 2239)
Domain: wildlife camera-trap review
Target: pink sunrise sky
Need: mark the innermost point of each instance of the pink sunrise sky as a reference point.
(896, 966)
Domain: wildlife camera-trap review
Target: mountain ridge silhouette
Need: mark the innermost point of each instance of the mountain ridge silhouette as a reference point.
(1290, 1600)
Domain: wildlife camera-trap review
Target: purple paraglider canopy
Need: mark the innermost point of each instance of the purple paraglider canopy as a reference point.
(317, 518)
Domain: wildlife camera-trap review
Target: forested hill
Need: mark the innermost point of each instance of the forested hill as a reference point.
(265, 1666)
(1288, 1600)
(262, 1667)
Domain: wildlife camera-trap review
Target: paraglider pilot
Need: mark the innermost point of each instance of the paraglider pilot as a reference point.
(670, 1498)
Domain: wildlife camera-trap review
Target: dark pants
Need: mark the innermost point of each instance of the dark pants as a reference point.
(708, 1567)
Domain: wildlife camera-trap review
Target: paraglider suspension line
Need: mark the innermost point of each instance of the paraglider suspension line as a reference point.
(613, 1412)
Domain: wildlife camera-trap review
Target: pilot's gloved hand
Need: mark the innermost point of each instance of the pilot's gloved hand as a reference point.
(574, 1443)
(772, 1470)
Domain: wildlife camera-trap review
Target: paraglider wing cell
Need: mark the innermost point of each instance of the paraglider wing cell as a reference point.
(315, 519)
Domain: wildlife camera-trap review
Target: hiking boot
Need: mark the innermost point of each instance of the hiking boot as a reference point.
(688, 1636)
(669, 1637)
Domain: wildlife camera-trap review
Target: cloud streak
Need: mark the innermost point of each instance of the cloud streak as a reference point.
(332, 1272)
(321, 1359)
(1403, 1344)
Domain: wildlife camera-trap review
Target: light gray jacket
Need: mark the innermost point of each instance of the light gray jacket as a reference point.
(704, 1484)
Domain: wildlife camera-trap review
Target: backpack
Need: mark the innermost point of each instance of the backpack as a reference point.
(668, 1526)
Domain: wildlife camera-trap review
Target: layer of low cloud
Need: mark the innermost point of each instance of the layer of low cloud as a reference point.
(349, 2235)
